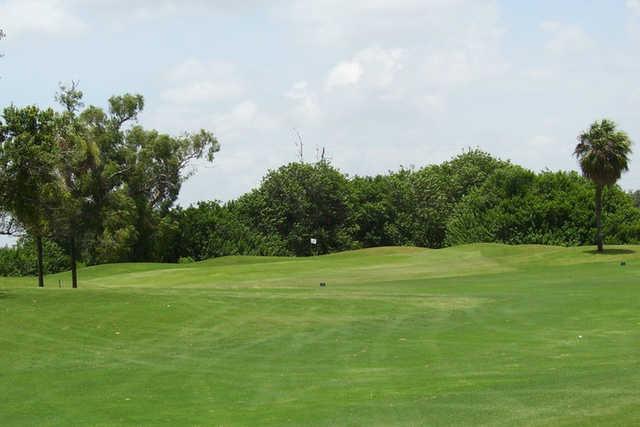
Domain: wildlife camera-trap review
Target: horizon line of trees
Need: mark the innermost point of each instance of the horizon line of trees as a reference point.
(471, 198)
(92, 186)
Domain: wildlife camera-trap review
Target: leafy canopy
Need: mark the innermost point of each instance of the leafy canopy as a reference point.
(603, 152)
(28, 153)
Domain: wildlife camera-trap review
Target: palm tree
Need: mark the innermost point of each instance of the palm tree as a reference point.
(603, 153)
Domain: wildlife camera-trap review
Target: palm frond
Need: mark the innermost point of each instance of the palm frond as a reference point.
(603, 152)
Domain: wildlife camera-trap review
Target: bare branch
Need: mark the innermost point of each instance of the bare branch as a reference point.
(9, 226)
(300, 145)
(2, 35)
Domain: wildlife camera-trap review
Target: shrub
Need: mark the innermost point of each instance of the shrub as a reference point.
(516, 206)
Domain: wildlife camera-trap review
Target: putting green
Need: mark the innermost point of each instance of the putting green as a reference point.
(472, 335)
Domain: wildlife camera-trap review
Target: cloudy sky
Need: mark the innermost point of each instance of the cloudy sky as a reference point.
(378, 83)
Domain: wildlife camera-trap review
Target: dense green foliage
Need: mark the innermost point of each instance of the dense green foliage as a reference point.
(299, 202)
(20, 260)
(93, 180)
(104, 189)
(486, 335)
(474, 197)
(210, 230)
(29, 184)
(382, 207)
(517, 206)
(412, 207)
(471, 198)
(438, 189)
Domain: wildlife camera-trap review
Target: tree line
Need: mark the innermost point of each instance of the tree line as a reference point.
(91, 185)
(471, 198)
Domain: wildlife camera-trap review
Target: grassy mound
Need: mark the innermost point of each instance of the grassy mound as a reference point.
(478, 334)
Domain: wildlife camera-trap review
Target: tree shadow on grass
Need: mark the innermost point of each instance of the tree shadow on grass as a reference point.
(613, 251)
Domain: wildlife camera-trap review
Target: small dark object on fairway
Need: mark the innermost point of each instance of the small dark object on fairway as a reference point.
(322, 284)
(623, 263)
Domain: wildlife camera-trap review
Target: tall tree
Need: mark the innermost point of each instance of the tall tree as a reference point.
(112, 233)
(603, 153)
(138, 178)
(121, 177)
(156, 165)
(28, 182)
(76, 165)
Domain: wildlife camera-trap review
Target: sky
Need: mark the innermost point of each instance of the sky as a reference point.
(379, 84)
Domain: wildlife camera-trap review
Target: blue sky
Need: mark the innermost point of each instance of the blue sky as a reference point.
(379, 83)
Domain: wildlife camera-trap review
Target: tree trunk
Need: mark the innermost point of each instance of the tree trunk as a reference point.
(599, 236)
(74, 256)
(40, 262)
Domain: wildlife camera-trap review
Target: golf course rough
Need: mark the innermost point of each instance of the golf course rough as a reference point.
(472, 335)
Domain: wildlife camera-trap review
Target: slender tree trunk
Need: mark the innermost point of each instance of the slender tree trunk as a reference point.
(74, 257)
(599, 237)
(40, 256)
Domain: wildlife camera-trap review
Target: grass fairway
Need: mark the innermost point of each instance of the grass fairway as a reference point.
(473, 335)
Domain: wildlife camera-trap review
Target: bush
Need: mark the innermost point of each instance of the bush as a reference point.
(382, 209)
(298, 202)
(210, 230)
(516, 206)
(412, 207)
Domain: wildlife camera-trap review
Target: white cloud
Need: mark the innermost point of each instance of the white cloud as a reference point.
(539, 74)
(194, 81)
(543, 151)
(49, 17)
(431, 103)
(379, 82)
(243, 116)
(305, 109)
(633, 22)
(440, 46)
(162, 6)
(633, 6)
(344, 74)
(541, 142)
(203, 91)
(201, 94)
(339, 22)
(381, 65)
(566, 39)
(372, 67)
(226, 122)
(72, 17)
(446, 68)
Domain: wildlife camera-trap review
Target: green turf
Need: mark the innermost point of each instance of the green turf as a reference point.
(473, 335)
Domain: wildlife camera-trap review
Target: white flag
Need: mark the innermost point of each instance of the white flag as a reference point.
(314, 241)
